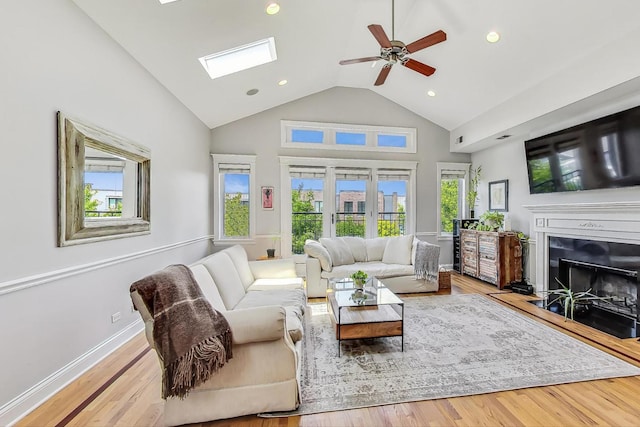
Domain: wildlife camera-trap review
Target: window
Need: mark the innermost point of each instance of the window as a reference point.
(336, 136)
(451, 191)
(234, 196)
(361, 207)
(348, 207)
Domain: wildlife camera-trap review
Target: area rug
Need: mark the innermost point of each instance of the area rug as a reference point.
(454, 345)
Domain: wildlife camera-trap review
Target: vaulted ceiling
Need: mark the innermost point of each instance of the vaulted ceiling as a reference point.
(540, 39)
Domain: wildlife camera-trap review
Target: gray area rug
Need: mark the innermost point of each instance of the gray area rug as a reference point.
(454, 345)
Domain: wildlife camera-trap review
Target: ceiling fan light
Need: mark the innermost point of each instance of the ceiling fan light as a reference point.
(493, 37)
(272, 8)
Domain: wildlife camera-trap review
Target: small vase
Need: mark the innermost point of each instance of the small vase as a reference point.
(359, 283)
(271, 253)
(473, 213)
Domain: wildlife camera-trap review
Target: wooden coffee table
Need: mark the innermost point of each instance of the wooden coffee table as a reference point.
(380, 314)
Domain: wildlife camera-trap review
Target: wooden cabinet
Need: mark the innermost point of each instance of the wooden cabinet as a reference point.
(493, 257)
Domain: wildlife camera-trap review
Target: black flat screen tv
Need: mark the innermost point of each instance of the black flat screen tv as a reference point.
(602, 153)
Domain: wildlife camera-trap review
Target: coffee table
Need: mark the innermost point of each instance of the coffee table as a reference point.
(380, 314)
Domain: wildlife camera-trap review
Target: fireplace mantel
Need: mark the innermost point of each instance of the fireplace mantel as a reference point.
(607, 221)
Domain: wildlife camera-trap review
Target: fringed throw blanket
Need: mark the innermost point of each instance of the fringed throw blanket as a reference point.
(426, 262)
(192, 338)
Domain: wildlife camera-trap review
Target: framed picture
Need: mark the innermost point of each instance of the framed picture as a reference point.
(499, 195)
(267, 197)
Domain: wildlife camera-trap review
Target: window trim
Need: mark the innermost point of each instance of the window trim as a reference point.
(330, 129)
(441, 166)
(218, 198)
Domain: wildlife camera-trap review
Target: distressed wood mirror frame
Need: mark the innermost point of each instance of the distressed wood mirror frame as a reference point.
(74, 227)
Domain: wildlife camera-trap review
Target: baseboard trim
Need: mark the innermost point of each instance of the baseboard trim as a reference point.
(52, 276)
(23, 404)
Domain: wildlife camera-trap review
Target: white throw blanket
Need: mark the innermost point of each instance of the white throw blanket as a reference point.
(426, 262)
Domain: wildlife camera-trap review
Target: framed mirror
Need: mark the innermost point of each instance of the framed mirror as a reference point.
(103, 184)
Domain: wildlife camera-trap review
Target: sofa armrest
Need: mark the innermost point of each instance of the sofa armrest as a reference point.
(273, 269)
(257, 324)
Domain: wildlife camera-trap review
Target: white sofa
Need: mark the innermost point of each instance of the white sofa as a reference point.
(388, 258)
(264, 303)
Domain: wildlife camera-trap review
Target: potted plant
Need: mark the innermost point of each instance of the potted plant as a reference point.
(359, 278)
(569, 299)
(472, 194)
(489, 221)
(271, 252)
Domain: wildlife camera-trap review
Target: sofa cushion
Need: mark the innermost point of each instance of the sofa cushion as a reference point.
(239, 257)
(338, 250)
(314, 249)
(273, 269)
(374, 268)
(226, 277)
(375, 248)
(357, 247)
(398, 250)
(208, 286)
(275, 284)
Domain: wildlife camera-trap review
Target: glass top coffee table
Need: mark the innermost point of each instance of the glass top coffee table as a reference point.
(374, 312)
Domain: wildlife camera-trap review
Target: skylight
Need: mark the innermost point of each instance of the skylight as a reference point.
(239, 58)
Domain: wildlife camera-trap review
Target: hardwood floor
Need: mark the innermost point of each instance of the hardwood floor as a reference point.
(124, 390)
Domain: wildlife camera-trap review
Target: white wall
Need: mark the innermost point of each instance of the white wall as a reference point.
(56, 303)
(260, 135)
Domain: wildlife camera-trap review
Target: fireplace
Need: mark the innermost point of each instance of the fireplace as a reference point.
(591, 246)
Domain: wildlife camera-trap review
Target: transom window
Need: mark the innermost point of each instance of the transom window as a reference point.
(336, 136)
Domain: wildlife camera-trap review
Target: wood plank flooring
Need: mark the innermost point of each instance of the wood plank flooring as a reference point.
(122, 391)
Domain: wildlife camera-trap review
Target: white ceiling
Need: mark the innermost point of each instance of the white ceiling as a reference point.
(539, 39)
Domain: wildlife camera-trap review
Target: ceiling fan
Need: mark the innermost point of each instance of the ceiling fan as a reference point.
(393, 51)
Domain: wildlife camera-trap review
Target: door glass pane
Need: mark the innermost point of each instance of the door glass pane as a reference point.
(350, 193)
(392, 199)
(236, 204)
(349, 138)
(306, 211)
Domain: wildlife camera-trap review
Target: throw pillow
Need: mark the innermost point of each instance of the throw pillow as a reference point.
(398, 250)
(339, 251)
(314, 249)
(357, 247)
(375, 248)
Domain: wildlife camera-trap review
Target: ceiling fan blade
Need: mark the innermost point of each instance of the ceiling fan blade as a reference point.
(380, 35)
(430, 40)
(357, 60)
(418, 66)
(383, 75)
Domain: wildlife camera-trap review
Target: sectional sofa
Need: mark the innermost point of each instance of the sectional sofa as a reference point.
(391, 259)
(264, 303)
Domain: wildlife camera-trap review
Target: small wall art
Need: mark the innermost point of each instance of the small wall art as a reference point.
(499, 195)
(267, 198)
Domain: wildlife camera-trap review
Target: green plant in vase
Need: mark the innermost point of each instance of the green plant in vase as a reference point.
(472, 194)
(359, 278)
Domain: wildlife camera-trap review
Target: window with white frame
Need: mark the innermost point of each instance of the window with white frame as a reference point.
(452, 179)
(336, 136)
(234, 181)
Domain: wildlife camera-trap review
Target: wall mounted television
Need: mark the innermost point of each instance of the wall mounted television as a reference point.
(602, 153)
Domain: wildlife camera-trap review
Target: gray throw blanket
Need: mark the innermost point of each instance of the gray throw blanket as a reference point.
(192, 339)
(426, 262)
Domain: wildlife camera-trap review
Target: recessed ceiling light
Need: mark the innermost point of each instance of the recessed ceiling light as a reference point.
(493, 37)
(252, 92)
(282, 82)
(431, 93)
(166, 1)
(272, 8)
(373, 64)
(239, 58)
